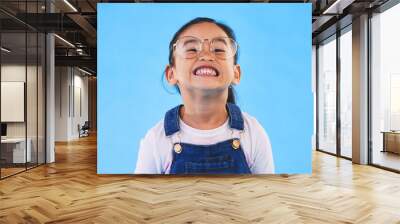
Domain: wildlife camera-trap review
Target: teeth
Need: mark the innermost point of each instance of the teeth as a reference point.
(206, 72)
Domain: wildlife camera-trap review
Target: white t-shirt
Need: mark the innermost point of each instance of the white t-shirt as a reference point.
(156, 149)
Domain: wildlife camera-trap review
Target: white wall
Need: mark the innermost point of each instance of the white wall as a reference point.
(79, 117)
(71, 94)
(62, 81)
(13, 73)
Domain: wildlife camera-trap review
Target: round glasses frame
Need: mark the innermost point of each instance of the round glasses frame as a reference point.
(194, 52)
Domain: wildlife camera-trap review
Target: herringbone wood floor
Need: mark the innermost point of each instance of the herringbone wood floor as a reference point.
(70, 191)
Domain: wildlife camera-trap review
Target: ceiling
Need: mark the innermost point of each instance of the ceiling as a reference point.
(75, 21)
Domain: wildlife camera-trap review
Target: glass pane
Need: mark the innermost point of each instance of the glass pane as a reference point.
(22, 89)
(13, 89)
(327, 96)
(31, 101)
(32, 86)
(346, 94)
(41, 98)
(386, 89)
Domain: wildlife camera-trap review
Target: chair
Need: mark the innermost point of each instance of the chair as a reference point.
(84, 130)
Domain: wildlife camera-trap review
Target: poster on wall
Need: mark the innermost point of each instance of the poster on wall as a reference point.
(199, 88)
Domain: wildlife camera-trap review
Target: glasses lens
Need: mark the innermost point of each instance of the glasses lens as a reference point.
(223, 47)
(188, 47)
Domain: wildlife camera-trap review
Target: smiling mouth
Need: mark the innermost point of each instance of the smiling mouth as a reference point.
(206, 71)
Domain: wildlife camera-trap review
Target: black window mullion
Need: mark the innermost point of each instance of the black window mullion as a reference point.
(317, 96)
(0, 94)
(369, 91)
(26, 86)
(338, 91)
(37, 89)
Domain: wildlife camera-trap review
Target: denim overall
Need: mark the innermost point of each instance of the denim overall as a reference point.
(224, 157)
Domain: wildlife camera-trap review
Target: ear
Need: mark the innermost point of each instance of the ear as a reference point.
(237, 74)
(170, 75)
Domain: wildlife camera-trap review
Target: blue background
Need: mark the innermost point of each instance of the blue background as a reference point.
(275, 59)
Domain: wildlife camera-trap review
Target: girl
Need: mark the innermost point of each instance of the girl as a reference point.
(208, 134)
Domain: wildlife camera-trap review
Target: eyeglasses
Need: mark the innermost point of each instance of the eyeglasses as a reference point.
(190, 47)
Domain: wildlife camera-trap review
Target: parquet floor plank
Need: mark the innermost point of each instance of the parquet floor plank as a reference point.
(70, 191)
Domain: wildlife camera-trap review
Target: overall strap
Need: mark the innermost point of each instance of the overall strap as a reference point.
(171, 121)
(235, 117)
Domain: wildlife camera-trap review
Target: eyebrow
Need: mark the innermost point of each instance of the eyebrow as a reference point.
(190, 41)
(220, 39)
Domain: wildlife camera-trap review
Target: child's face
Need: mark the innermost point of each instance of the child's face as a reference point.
(206, 72)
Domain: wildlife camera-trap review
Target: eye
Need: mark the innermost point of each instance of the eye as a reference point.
(219, 50)
(194, 50)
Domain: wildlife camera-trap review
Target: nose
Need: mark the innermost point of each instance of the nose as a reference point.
(205, 53)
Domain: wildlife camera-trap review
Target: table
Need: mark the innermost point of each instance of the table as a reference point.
(16, 147)
(391, 141)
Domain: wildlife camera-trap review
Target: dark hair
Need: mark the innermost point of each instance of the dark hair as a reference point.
(225, 28)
